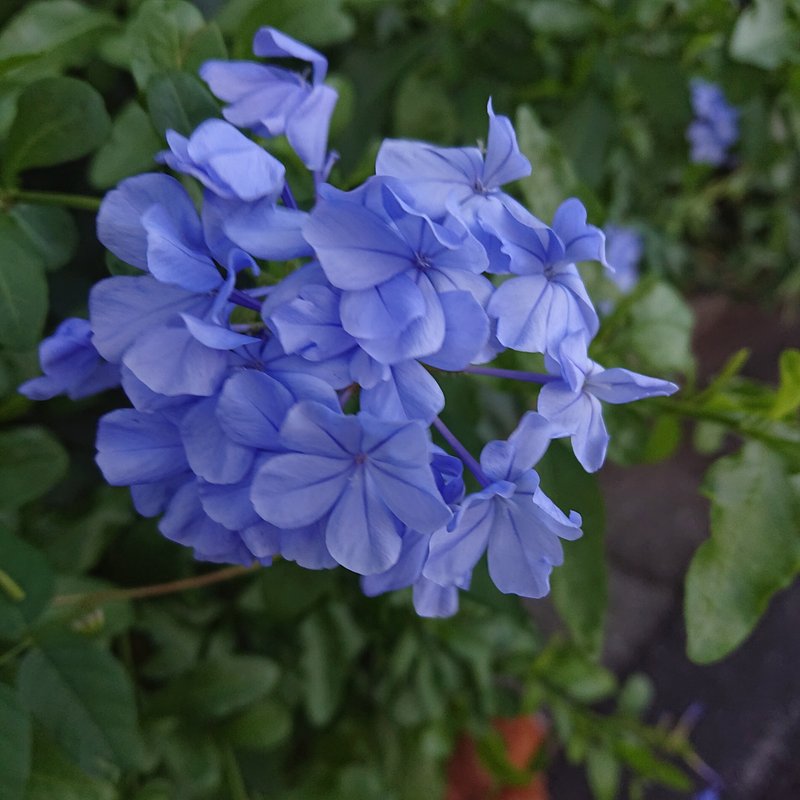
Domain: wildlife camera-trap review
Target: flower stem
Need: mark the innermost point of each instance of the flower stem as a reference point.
(243, 299)
(154, 590)
(288, 197)
(461, 451)
(80, 202)
(512, 374)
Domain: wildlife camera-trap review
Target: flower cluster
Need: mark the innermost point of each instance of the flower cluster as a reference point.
(291, 416)
(715, 128)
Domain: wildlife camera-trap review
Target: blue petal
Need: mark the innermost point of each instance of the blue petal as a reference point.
(226, 161)
(432, 600)
(411, 392)
(312, 428)
(362, 533)
(522, 309)
(503, 160)
(582, 242)
(308, 124)
(581, 415)
(170, 361)
(212, 455)
(133, 447)
(215, 336)
(119, 221)
(357, 249)
(186, 523)
(272, 43)
(462, 313)
(178, 255)
(295, 489)
(382, 310)
(252, 407)
(521, 553)
(266, 231)
(618, 385)
(405, 571)
(230, 505)
(455, 551)
(122, 309)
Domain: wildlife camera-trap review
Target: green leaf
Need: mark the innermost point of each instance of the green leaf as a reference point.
(168, 35)
(61, 31)
(763, 35)
(563, 666)
(787, 399)
(54, 776)
(564, 18)
(23, 288)
(580, 585)
(553, 177)
(263, 726)
(31, 462)
(58, 119)
(603, 773)
(83, 698)
(216, 688)
(129, 150)
(27, 585)
(660, 330)
(641, 759)
(178, 101)
(50, 231)
(15, 744)
(190, 755)
(314, 23)
(754, 551)
(424, 110)
(331, 641)
(636, 695)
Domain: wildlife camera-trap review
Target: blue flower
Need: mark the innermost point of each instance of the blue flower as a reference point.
(536, 310)
(71, 365)
(715, 128)
(368, 477)
(510, 517)
(275, 101)
(395, 267)
(572, 401)
(624, 248)
(459, 180)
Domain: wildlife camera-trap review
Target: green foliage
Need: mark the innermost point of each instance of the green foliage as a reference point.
(58, 119)
(754, 550)
(31, 461)
(580, 591)
(82, 697)
(289, 683)
(15, 745)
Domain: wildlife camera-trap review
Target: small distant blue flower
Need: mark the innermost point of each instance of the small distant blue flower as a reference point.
(572, 401)
(275, 101)
(624, 248)
(715, 128)
(71, 365)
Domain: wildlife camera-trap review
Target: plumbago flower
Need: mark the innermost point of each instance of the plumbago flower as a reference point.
(291, 417)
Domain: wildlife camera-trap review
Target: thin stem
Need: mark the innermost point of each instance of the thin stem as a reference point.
(288, 197)
(154, 590)
(512, 374)
(19, 647)
(461, 451)
(244, 299)
(80, 202)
